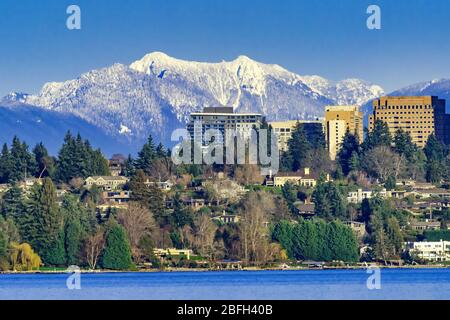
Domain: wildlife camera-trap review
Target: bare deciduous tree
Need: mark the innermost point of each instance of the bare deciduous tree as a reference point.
(161, 169)
(93, 247)
(254, 226)
(205, 230)
(381, 162)
(137, 222)
(248, 174)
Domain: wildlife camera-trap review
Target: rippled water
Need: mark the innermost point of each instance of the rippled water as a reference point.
(320, 284)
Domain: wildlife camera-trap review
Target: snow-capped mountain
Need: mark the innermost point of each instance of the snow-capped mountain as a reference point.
(14, 98)
(156, 94)
(345, 92)
(437, 87)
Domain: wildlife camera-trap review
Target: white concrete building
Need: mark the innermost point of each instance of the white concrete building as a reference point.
(359, 195)
(431, 251)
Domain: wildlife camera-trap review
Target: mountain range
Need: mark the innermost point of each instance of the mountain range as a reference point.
(119, 106)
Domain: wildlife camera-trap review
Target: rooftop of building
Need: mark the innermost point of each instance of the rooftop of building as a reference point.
(342, 108)
(225, 111)
(292, 123)
(109, 178)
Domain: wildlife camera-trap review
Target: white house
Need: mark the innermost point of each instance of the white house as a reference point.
(359, 195)
(431, 251)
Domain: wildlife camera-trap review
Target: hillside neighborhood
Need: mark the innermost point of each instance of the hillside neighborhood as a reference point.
(344, 195)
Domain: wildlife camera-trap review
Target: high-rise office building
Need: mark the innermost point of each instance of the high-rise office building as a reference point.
(222, 119)
(339, 119)
(418, 116)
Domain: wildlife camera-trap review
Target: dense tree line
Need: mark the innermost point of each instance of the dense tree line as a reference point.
(76, 159)
(388, 158)
(306, 148)
(317, 240)
(59, 234)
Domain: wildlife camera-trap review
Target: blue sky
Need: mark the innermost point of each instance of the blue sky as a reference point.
(328, 38)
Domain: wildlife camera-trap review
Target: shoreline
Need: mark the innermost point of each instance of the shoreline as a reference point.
(249, 269)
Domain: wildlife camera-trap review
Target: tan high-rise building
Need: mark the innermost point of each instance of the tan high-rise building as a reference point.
(418, 116)
(339, 119)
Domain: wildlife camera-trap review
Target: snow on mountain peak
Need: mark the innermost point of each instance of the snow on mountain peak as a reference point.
(14, 98)
(226, 80)
(157, 94)
(345, 92)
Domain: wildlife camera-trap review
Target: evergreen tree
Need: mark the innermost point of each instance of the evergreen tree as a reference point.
(117, 252)
(55, 253)
(67, 163)
(329, 201)
(348, 156)
(390, 183)
(379, 136)
(79, 223)
(298, 149)
(323, 251)
(23, 163)
(139, 189)
(77, 159)
(146, 156)
(181, 215)
(282, 233)
(41, 226)
(73, 238)
(436, 164)
(404, 145)
(129, 168)
(45, 163)
(305, 240)
(3, 248)
(394, 235)
(6, 165)
(98, 165)
(161, 151)
(317, 240)
(156, 204)
(289, 192)
(12, 204)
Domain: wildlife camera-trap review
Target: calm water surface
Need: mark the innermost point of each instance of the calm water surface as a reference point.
(320, 284)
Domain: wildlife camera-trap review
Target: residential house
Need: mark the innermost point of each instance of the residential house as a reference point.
(118, 197)
(107, 183)
(425, 225)
(195, 204)
(162, 185)
(304, 209)
(227, 218)
(171, 252)
(431, 193)
(303, 177)
(430, 251)
(359, 195)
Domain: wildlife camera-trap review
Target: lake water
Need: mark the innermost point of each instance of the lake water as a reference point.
(312, 284)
